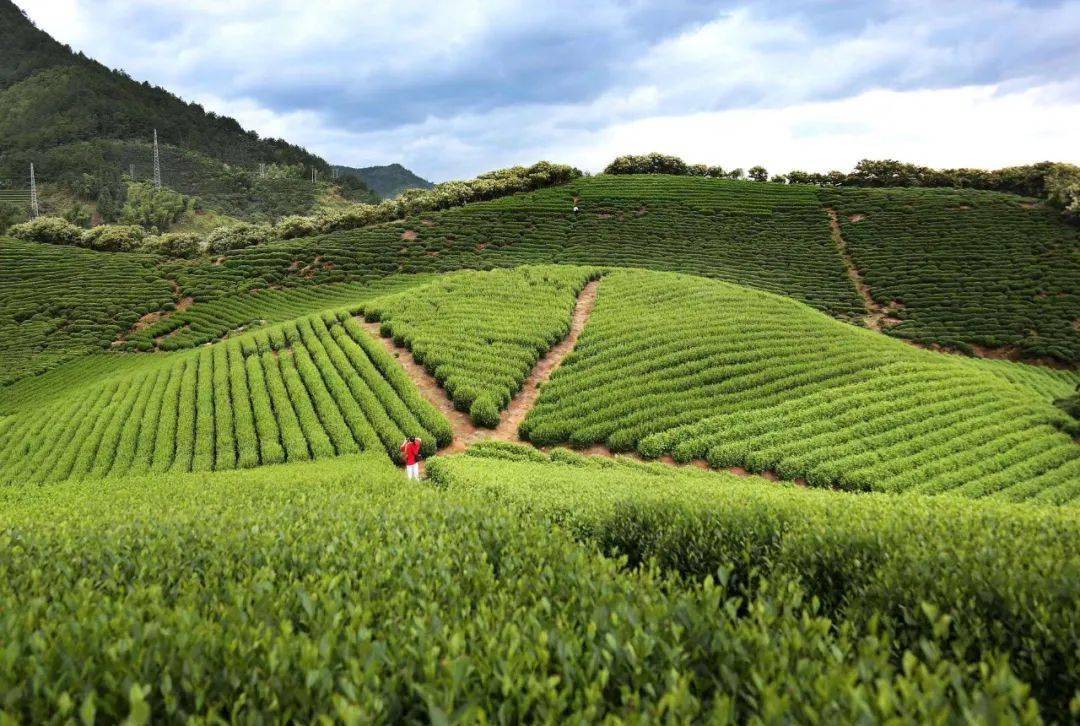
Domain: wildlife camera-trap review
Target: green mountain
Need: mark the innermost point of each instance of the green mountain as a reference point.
(387, 181)
(86, 127)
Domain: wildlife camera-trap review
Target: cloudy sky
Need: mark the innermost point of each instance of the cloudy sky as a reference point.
(451, 89)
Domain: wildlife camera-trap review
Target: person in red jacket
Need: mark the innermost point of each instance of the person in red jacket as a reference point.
(410, 450)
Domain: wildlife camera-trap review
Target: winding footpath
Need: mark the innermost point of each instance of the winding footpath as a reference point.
(466, 433)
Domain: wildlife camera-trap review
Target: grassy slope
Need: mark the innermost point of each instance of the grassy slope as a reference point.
(703, 369)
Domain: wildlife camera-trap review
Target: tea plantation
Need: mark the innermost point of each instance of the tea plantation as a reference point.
(756, 489)
(699, 369)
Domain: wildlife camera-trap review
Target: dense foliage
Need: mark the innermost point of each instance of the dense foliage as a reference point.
(967, 267)
(50, 97)
(335, 590)
(698, 369)
(1008, 582)
(480, 333)
(310, 388)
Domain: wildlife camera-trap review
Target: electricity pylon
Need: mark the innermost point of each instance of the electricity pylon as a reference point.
(157, 163)
(33, 195)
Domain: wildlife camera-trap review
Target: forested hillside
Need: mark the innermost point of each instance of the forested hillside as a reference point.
(88, 129)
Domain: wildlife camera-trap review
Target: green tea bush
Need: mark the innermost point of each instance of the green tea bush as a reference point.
(967, 267)
(314, 388)
(484, 411)
(333, 591)
(58, 302)
(974, 577)
(703, 370)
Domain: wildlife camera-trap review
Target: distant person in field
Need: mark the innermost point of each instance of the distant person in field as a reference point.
(410, 450)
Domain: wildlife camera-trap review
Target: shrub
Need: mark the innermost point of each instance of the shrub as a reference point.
(113, 238)
(50, 230)
(484, 412)
(297, 226)
(237, 236)
(10, 214)
(152, 208)
(175, 244)
(653, 163)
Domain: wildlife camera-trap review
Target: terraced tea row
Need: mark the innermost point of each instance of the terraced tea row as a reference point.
(220, 316)
(311, 388)
(967, 267)
(769, 236)
(480, 333)
(60, 302)
(699, 369)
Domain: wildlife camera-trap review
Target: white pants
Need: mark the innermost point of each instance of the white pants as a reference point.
(412, 471)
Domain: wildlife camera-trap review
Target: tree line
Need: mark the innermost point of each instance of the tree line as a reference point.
(1057, 183)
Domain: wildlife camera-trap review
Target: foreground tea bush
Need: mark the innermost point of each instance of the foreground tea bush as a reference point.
(480, 333)
(699, 369)
(972, 578)
(334, 590)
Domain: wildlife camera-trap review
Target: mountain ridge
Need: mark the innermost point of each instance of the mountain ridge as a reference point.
(387, 180)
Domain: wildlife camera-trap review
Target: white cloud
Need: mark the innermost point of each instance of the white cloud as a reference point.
(940, 83)
(978, 126)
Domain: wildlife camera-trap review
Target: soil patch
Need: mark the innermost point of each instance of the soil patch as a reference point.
(856, 218)
(409, 235)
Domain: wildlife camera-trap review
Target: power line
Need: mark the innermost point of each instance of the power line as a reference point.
(33, 195)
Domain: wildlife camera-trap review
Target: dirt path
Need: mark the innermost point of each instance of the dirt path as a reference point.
(465, 431)
(877, 316)
(523, 402)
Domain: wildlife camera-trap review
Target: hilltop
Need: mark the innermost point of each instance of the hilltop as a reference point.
(387, 181)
